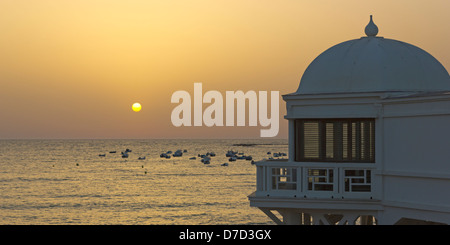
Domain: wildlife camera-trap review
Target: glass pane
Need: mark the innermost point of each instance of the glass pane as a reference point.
(361, 188)
(372, 141)
(368, 176)
(363, 140)
(317, 172)
(329, 140)
(287, 186)
(323, 187)
(354, 172)
(345, 141)
(358, 180)
(353, 130)
(340, 140)
(330, 176)
(311, 140)
(275, 171)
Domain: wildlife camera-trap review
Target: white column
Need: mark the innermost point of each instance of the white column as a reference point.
(291, 217)
(291, 140)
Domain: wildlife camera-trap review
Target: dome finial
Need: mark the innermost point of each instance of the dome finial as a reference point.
(371, 29)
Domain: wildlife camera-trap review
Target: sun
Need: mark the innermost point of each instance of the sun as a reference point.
(136, 107)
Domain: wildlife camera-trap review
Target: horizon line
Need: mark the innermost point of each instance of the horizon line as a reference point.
(143, 138)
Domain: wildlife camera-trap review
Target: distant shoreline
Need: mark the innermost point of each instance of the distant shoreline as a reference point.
(256, 144)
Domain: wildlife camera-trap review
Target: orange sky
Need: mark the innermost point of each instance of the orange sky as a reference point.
(72, 69)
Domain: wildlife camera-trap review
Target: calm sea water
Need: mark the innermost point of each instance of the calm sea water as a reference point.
(67, 182)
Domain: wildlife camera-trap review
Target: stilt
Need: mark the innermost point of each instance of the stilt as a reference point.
(291, 217)
(272, 216)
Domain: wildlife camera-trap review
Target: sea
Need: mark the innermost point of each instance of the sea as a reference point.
(63, 182)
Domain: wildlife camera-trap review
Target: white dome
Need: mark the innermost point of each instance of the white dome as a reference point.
(374, 64)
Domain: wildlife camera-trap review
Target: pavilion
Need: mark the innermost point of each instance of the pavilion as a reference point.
(369, 139)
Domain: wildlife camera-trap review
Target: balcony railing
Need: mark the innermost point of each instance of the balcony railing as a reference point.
(315, 180)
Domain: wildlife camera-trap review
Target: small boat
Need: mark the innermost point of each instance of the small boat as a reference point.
(184, 151)
(124, 155)
(127, 150)
(178, 153)
(112, 151)
(248, 158)
(206, 159)
(101, 155)
(232, 159)
(230, 153)
(206, 162)
(141, 158)
(164, 155)
(192, 158)
(224, 164)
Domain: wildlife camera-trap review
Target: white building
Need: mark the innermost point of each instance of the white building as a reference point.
(369, 139)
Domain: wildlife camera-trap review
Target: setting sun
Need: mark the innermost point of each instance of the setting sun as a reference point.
(136, 107)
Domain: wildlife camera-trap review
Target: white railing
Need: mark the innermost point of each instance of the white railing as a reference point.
(315, 180)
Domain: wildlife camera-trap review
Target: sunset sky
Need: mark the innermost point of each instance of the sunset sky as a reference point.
(73, 69)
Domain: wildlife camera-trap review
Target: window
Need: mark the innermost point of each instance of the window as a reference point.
(335, 140)
(357, 180)
(284, 178)
(320, 179)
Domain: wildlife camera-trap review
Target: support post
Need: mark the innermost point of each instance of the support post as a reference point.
(291, 217)
(271, 216)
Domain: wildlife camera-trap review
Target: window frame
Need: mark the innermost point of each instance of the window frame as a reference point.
(368, 148)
